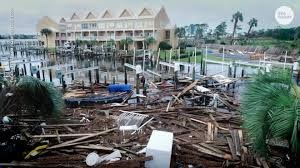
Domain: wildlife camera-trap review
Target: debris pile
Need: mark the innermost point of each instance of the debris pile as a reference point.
(201, 118)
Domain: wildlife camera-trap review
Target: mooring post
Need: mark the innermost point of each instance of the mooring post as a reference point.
(97, 76)
(50, 75)
(175, 79)
(243, 72)
(44, 52)
(229, 71)
(72, 74)
(114, 79)
(201, 64)
(43, 75)
(90, 76)
(234, 70)
(194, 68)
(125, 75)
(24, 65)
(30, 66)
(137, 86)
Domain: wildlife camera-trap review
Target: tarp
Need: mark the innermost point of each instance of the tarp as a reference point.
(119, 88)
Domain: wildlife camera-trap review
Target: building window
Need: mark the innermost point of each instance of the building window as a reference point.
(168, 34)
(93, 25)
(101, 25)
(84, 26)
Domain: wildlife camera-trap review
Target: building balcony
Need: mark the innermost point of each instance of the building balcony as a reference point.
(138, 38)
(102, 38)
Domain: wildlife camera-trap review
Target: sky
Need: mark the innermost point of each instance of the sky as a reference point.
(181, 12)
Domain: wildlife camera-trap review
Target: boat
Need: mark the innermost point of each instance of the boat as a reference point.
(96, 99)
(117, 93)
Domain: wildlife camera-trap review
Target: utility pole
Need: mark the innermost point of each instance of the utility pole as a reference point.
(12, 31)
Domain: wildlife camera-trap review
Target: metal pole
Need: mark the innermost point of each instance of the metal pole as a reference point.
(144, 61)
(223, 56)
(137, 80)
(157, 59)
(12, 27)
(133, 61)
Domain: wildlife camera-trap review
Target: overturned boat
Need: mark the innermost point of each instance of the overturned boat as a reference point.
(117, 94)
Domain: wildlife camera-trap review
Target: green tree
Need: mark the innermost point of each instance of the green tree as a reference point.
(201, 30)
(220, 30)
(180, 32)
(238, 16)
(111, 43)
(271, 109)
(46, 32)
(149, 40)
(252, 23)
(297, 33)
(164, 45)
(126, 42)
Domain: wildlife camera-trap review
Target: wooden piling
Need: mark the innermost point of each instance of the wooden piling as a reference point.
(137, 86)
(30, 67)
(125, 75)
(90, 76)
(234, 70)
(50, 75)
(72, 74)
(175, 79)
(243, 72)
(97, 76)
(24, 66)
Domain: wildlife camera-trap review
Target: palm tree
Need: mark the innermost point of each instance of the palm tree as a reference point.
(149, 40)
(271, 109)
(46, 32)
(200, 30)
(238, 16)
(126, 42)
(252, 23)
(29, 95)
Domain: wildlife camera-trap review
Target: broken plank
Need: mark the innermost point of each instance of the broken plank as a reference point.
(60, 135)
(82, 138)
(232, 148)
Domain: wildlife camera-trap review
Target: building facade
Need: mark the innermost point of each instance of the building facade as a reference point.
(107, 26)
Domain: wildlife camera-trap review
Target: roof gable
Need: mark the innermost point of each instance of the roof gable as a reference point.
(90, 16)
(62, 20)
(145, 12)
(125, 13)
(107, 14)
(75, 17)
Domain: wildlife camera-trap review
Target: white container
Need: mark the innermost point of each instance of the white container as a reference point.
(160, 148)
(93, 159)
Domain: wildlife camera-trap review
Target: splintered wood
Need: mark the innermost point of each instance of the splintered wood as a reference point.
(204, 135)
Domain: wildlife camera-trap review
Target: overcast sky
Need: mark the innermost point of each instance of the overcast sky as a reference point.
(181, 12)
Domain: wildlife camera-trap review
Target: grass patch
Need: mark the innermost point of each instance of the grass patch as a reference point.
(166, 54)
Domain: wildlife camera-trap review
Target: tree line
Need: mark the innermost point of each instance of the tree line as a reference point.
(204, 32)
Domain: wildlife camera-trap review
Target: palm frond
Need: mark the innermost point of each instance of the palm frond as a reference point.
(45, 99)
(43, 96)
(270, 110)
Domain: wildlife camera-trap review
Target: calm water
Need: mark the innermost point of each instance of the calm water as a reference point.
(109, 67)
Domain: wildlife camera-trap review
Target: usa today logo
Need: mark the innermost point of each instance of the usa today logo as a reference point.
(284, 15)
